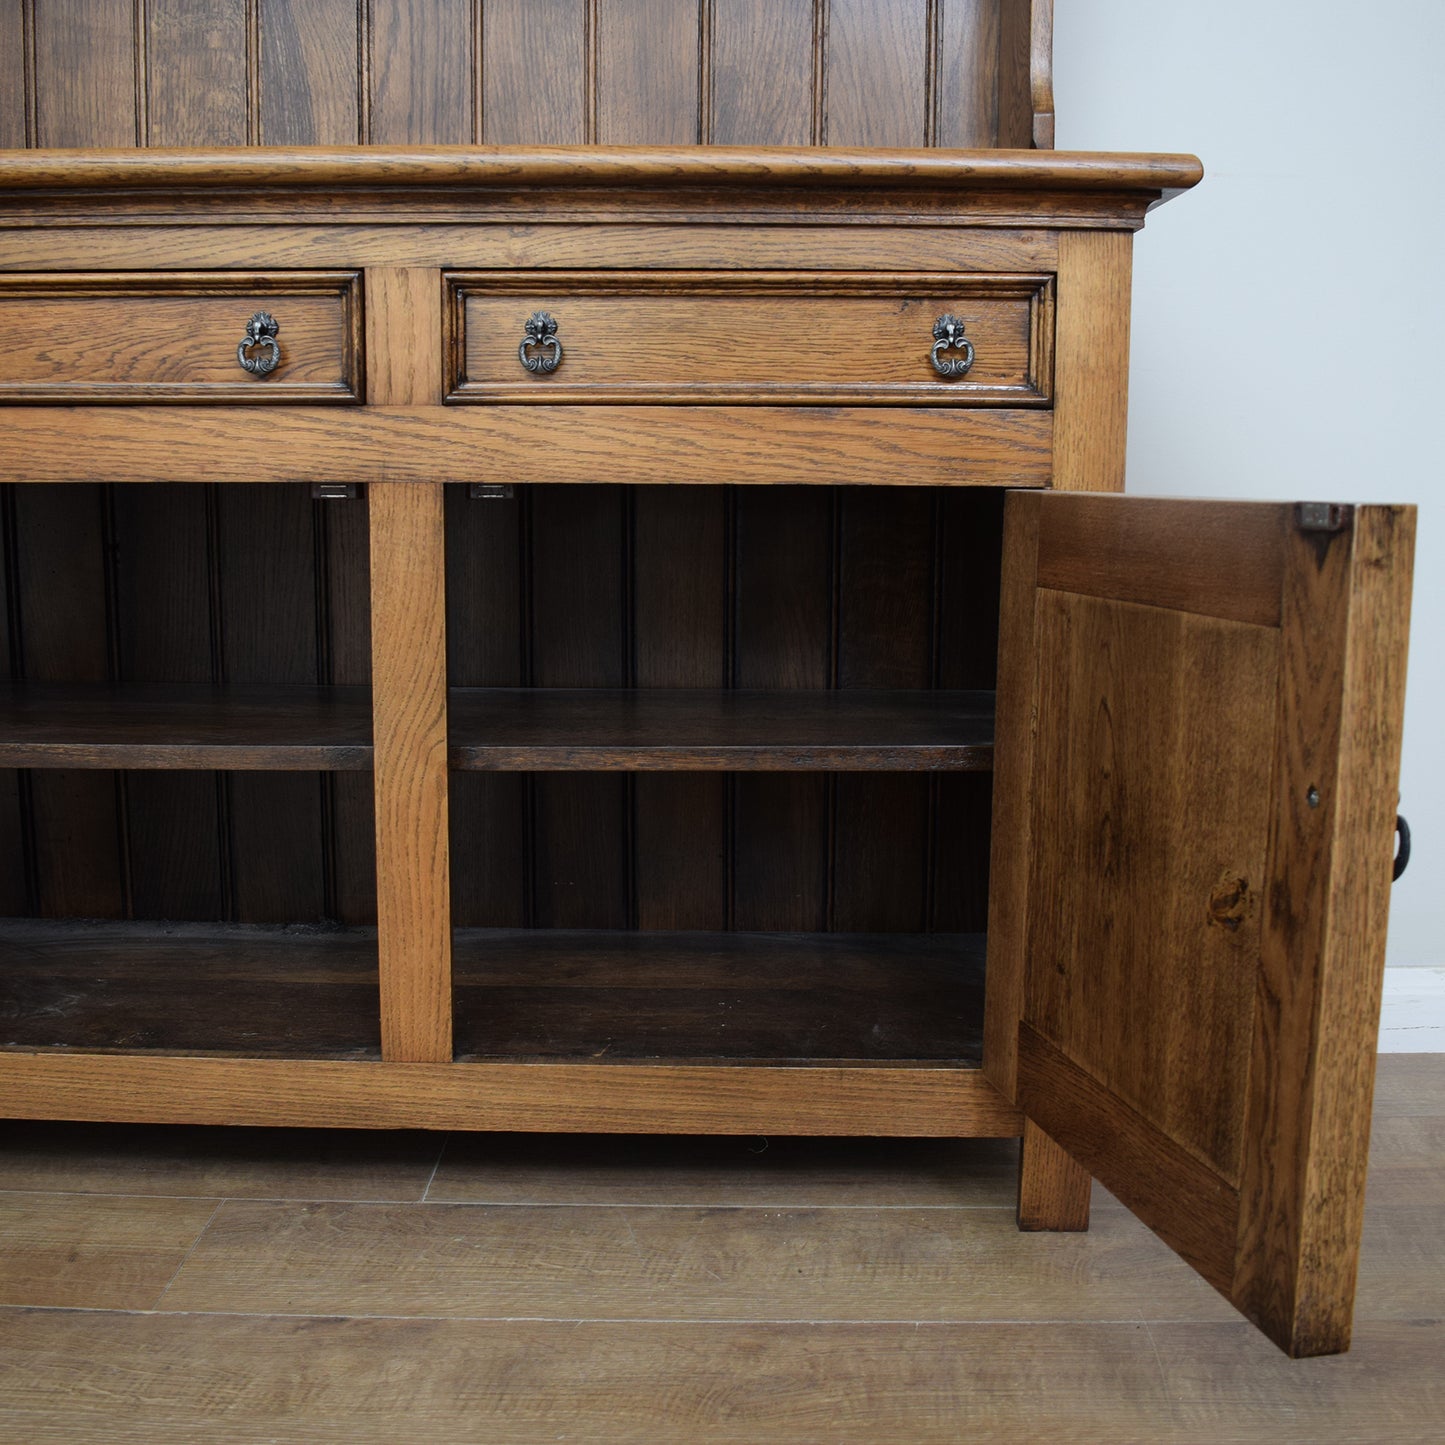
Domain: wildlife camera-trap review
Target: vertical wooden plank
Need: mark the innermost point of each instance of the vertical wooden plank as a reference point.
(309, 60)
(885, 640)
(268, 598)
(762, 72)
(421, 72)
(579, 639)
(1344, 622)
(164, 630)
(680, 636)
(1012, 792)
(408, 621)
(783, 627)
(490, 863)
(196, 73)
(875, 66)
(409, 687)
(648, 72)
(1091, 351)
(1015, 87)
(536, 73)
(61, 545)
(966, 81)
(85, 74)
(15, 77)
(14, 865)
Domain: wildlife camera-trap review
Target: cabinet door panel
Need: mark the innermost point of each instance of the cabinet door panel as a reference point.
(1198, 751)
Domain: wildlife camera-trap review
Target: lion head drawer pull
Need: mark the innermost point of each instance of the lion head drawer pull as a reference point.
(541, 331)
(260, 352)
(948, 336)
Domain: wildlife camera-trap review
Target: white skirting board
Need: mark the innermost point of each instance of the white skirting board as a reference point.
(1412, 1020)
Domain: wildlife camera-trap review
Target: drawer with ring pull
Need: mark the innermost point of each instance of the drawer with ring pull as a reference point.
(214, 336)
(786, 338)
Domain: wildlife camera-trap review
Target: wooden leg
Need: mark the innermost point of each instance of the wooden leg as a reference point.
(1053, 1190)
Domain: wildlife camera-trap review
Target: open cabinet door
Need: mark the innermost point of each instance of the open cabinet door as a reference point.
(1199, 716)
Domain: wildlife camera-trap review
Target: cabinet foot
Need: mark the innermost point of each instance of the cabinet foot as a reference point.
(1053, 1190)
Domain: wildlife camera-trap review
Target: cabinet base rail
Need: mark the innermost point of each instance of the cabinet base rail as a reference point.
(892, 1101)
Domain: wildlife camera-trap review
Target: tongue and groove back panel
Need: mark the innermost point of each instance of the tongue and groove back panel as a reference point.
(591, 586)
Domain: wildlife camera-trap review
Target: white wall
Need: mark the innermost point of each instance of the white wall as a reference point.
(1288, 315)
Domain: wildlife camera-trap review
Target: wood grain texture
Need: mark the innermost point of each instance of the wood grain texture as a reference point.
(197, 73)
(692, 337)
(173, 337)
(638, 445)
(421, 68)
(188, 988)
(536, 78)
(1188, 556)
(624, 996)
(85, 77)
(308, 72)
(873, 58)
(1054, 1189)
(1092, 355)
(17, 92)
(647, 72)
(904, 1101)
(1345, 610)
(403, 338)
(691, 729)
(184, 726)
(408, 620)
(761, 68)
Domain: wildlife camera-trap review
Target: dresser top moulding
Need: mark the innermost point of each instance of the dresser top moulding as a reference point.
(344, 184)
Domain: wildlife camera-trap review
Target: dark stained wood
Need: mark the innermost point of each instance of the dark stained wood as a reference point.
(555, 993)
(16, 93)
(307, 72)
(171, 725)
(421, 68)
(647, 72)
(686, 729)
(536, 81)
(682, 629)
(761, 68)
(189, 988)
(86, 91)
(966, 78)
(198, 89)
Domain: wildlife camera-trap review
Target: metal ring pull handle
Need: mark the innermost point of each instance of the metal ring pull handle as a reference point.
(260, 352)
(541, 334)
(1402, 853)
(948, 336)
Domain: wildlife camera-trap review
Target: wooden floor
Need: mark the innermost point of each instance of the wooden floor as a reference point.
(209, 1285)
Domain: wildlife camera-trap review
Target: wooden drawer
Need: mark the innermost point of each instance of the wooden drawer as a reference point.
(761, 337)
(170, 336)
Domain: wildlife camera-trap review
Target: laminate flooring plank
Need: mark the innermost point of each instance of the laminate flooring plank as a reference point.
(679, 1264)
(78, 1251)
(1410, 1086)
(375, 1382)
(181, 1161)
(781, 1173)
(1407, 1162)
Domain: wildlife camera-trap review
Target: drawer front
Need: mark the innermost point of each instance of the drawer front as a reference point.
(152, 337)
(771, 337)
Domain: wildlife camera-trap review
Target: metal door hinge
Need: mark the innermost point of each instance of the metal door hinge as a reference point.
(490, 491)
(1320, 516)
(337, 491)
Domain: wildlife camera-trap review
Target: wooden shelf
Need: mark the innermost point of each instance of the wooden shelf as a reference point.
(684, 729)
(189, 988)
(294, 729)
(613, 997)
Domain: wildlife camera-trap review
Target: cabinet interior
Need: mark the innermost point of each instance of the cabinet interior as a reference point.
(741, 811)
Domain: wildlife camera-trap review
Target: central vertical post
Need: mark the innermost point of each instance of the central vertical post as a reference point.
(409, 685)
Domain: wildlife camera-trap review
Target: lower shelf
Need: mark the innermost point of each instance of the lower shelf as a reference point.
(189, 988)
(776, 998)
(524, 996)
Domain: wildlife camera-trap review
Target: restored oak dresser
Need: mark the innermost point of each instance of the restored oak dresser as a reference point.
(594, 639)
